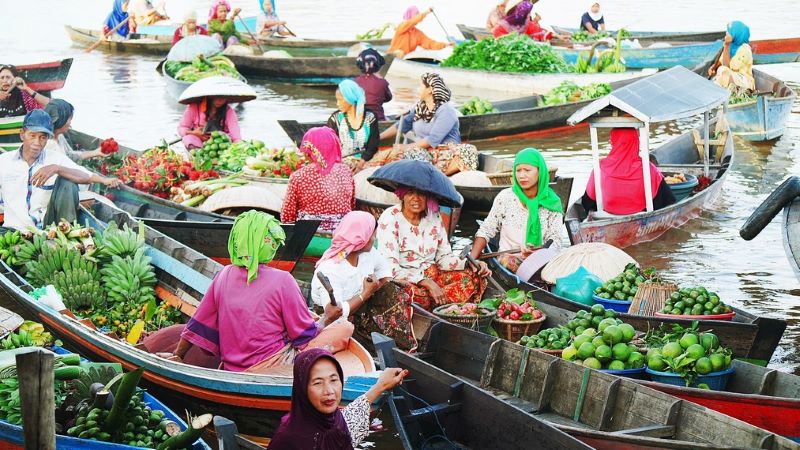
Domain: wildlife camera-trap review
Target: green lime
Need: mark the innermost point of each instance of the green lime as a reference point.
(710, 341)
(635, 361)
(592, 363)
(598, 310)
(586, 350)
(612, 334)
(616, 365)
(672, 350)
(596, 320)
(569, 353)
(703, 386)
(580, 339)
(590, 332)
(656, 363)
(696, 351)
(628, 332)
(605, 323)
(676, 296)
(579, 330)
(610, 314)
(703, 366)
(598, 341)
(621, 351)
(603, 353)
(717, 361)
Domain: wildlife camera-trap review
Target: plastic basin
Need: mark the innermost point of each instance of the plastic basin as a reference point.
(613, 304)
(683, 190)
(638, 374)
(715, 380)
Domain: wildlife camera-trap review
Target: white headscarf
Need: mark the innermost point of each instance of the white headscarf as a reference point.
(595, 16)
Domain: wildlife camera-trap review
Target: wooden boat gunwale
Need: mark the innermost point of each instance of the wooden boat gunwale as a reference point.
(778, 95)
(153, 44)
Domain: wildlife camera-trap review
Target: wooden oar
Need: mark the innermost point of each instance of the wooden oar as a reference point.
(326, 284)
(446, 34)
(255, 39)
(105, 37)
(496, 254)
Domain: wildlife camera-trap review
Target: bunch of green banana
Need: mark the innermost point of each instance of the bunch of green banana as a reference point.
(130, 279)
(29, 334)
(10, 405)
(79, 289)
(9, 246)
(30, 250)
(121, 242)
(17, 340)
(75, 277)
(375, 33)
(40, 272)
(616, 65)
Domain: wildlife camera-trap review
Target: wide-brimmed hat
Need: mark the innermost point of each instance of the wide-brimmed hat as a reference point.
(189, 47)
(233, 90)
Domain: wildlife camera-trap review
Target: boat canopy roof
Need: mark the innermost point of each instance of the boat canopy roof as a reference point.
(673, 94)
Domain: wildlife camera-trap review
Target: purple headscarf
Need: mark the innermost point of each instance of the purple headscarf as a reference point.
(517, 19)
(410, 13)
(305, 428)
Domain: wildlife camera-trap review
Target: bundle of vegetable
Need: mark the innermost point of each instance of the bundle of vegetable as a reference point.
(235, 156)
(609, 347)
(28, 334)
(375, 33)
(158, 170)
(201, 67)
(549, 339)
(741, 96)
(109, 146)
(568, 92)
(108, 165)
(274, 162)
(696, 301)
(584, 320)
(477, 106)
(9, 246)
(464, 309)
(608, 61)
(196, 192)
(625, 285)
(207, 156)
(511, 53)
(585, 36)
(687, 352)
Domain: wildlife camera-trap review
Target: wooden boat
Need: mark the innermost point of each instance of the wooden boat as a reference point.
(765, 117)
(689, 55)
(644, 37)
(682, 154)
(502, 82)
(255, 401)
(135, 43)
(776, 51)
(47, 76)
(10, 128)
(175, 87)
(599, 409)
(306, 70)
(319, 47)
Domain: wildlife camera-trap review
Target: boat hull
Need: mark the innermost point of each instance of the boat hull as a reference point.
(776, 51)
(688, 55)
(158, 45)
(304, 70)
(644, 37)
(765, 118)
(791, 234)
(45, 77)
(10, 128)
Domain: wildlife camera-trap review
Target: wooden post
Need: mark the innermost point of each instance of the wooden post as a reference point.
(644, 149)
(705, 143)
(37, 395)
(598, 191)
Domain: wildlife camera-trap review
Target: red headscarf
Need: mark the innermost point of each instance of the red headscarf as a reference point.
(622, 178)
(322, 146)
(212, 13)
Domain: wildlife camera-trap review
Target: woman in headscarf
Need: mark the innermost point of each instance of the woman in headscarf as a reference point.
(359, 276)
(526, 215)
(220, 26)
(734, 70)
(407, 37)
(622, 181)
(118, 15)
(189, 28)
(376, 88)
(412, 238)
(517, 19)
(268, 23)
(16, 98)
(497, 14)
(201, 118)
(356, 126)
(323, 190)
(252, 316)
(437, 138)
(315, 421)
(144, 13)
(61, 113)
(592, 21)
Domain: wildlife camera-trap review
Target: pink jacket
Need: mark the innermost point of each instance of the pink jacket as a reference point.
(193, 118)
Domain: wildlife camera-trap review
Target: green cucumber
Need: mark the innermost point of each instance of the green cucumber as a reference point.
(67, 373)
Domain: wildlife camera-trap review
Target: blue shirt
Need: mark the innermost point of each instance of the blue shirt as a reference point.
(443, 128)
(586, 18)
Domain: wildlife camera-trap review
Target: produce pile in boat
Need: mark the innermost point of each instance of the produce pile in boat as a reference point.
(158, 170)
(511, 53)
(569, 92)
(234, 157)
(608, 61)
(194, 193)
(102, 276)
(625, 285)
(477, 106)
(686, 352)
(274, 163)
(608, 347)
(464, 309)
(375, 33)
(515, 304)
(29, 334)
(695, 301)
(741, 96)
(675, 178)
(585, 36)
(201, 67)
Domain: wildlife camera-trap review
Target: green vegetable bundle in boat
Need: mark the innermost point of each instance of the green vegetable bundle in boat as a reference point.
(477, 106)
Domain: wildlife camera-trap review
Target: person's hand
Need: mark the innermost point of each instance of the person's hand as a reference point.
(401, 282)
(482, 269)
(712, 71)
(42, 175)
(390, 377)
(111, 182)
(4, 95)
(369, 286)
(169, 356)
(436, 292)
(196, 131)
(20, 83)
(332, 313)
(237, 11)
(728, 39)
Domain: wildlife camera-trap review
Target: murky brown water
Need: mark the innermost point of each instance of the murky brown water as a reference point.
(123, 96)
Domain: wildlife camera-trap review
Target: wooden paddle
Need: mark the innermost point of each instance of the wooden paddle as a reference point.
(465, 253)
(496, 254)
(105, 37)
(441, 25)
(255, 39)
(326, 284)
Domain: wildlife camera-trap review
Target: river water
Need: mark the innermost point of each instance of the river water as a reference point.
(122, 96)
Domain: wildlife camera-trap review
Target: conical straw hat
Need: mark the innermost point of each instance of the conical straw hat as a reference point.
(603, 260)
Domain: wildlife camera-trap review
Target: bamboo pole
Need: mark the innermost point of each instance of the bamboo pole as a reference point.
(37, 396)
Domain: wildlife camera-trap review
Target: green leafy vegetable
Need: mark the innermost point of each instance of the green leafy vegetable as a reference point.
(511, 53)
(477, 106)
(568, 92)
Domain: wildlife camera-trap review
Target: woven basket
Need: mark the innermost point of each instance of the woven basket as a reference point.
(472, 321)
(513, 330)
(650, 298)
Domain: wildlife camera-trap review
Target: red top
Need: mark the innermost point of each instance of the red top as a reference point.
(179, 33)
(377, 92)
(534, 30)
(310, 193)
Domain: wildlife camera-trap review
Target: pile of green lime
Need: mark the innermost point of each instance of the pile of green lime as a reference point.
(550, 339)
(692, 355)
(608, 347)
(696, 301)
(625, 285)
(589, 319)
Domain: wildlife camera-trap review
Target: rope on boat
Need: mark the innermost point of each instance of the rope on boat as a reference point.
(582, 394)
(521, 372)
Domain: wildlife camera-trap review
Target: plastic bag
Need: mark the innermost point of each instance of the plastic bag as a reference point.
(50, 297)
(578, 286)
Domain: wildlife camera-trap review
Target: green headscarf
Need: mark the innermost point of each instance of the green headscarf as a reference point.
(254, 233)
(546, 197)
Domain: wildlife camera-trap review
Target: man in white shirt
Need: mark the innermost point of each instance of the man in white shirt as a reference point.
(38, 186)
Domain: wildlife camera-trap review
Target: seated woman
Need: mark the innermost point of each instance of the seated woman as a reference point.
(16, 98)
(412, 238)
(268, 23)
(315, 420)
(434, 121)
(253, 316)
(498, 13)
(407, 37)
(323, 190)
(359, 276)
(734, 70)
(525, 215)
(189, 28)
(356, 127)
(203, 117)
(144, 13)
(517, 20)
(61, 113)
(376, 88)
(592, 21)
(221, 27)
(117, 16)
(622, 181)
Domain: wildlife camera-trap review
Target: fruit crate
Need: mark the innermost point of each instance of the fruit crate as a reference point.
(513, 330)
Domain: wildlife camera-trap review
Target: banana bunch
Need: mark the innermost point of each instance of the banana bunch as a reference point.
(75, 277)
(375, 33)
(41, 271)
(130, 279)
(79, 289)
(9, 246)
(121, 242)
(30, 250)
(29, 334)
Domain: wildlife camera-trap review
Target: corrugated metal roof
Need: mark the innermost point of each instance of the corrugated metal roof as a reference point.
(669, 95)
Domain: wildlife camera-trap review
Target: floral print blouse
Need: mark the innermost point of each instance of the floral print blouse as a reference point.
(509, 218)
(412, 249)
(356, 416)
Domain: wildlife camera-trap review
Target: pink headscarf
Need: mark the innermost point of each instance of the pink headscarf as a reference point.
(353, 232)
(431, 205)
(212, 13)
(621, 177)
(322, 146)
(410, 13)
